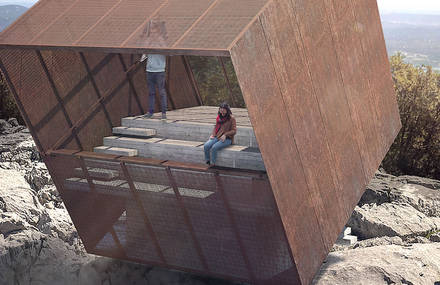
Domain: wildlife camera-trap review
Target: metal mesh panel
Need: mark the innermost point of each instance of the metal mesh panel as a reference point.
(36, 19)
(222, 24)
(120, 23)
(225, 224)
(260, 228)
(76, 20)
(177, 16)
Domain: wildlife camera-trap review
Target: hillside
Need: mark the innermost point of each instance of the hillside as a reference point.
(8, 14)
(416, 36)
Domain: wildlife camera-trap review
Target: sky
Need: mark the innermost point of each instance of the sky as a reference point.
(409, 6)
(385, 6)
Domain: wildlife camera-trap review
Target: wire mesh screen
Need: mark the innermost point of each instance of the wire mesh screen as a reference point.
(210, 222)
(85, 95)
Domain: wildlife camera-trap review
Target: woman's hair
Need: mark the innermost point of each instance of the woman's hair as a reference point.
(225, 105)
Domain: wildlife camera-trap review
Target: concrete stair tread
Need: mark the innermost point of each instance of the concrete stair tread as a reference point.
(188, 130)
(140, 132)
(116, 150)
(188, 151)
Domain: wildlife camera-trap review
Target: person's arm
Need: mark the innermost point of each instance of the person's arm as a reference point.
(233, 129)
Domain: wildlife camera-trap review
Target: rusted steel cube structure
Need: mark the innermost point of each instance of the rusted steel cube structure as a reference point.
(317, 85)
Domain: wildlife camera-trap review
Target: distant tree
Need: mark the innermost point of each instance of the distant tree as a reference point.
(212, 83)
(416, 150)
(8, 109)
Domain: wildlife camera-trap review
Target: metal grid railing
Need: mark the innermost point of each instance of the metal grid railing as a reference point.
(216, 222)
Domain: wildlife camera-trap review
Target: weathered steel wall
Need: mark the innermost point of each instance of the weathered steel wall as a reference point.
(71, 100)
(316, 80)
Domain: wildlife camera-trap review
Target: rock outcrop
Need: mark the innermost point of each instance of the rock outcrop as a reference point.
(397, 222)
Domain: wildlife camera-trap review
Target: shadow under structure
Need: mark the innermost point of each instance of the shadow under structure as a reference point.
(321, 115)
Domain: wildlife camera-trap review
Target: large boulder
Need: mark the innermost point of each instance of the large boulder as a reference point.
(386, 264)
(391, 219)
(423, 199)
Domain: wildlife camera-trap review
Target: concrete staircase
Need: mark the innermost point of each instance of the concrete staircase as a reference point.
(180, 141)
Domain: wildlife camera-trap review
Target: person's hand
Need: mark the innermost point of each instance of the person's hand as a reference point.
(223, 138)
(211, 137)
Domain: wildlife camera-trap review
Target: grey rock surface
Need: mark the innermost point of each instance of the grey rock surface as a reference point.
(385, 264)
(390, 219)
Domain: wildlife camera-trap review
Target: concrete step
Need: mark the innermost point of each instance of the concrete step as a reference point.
(188, 131)
(234, 156)
(116, 150)
(138, 132)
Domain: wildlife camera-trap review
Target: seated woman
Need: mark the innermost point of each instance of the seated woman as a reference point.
(222, 134)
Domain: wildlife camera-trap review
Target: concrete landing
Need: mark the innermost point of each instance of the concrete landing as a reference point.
(188, 151)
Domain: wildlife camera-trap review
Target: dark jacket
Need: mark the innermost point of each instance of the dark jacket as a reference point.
(228, 128)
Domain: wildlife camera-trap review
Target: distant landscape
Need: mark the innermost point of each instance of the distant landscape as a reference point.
(415, 36)
(8, 14)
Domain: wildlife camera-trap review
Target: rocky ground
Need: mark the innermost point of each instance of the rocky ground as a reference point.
(397, 222)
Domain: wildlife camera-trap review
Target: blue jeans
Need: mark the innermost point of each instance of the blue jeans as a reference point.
(214, 145)
(156, 79)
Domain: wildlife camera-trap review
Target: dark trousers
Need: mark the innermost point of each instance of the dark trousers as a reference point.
(156, 79)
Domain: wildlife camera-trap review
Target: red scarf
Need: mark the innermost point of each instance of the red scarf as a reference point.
(219, 121)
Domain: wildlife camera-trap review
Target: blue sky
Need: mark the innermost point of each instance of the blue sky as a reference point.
(385, 6)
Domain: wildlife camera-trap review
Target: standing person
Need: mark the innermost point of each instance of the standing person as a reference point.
(156, 77)
(155, 35)
(222, 135)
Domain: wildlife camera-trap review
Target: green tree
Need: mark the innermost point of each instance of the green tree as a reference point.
(8, 109)
(416, 150)
(211, 81)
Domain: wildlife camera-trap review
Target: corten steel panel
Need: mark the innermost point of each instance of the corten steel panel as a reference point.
(349, 52)
(331, 98)
(306, 36)
(374, 52)
(306, 122)
(270, 119)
